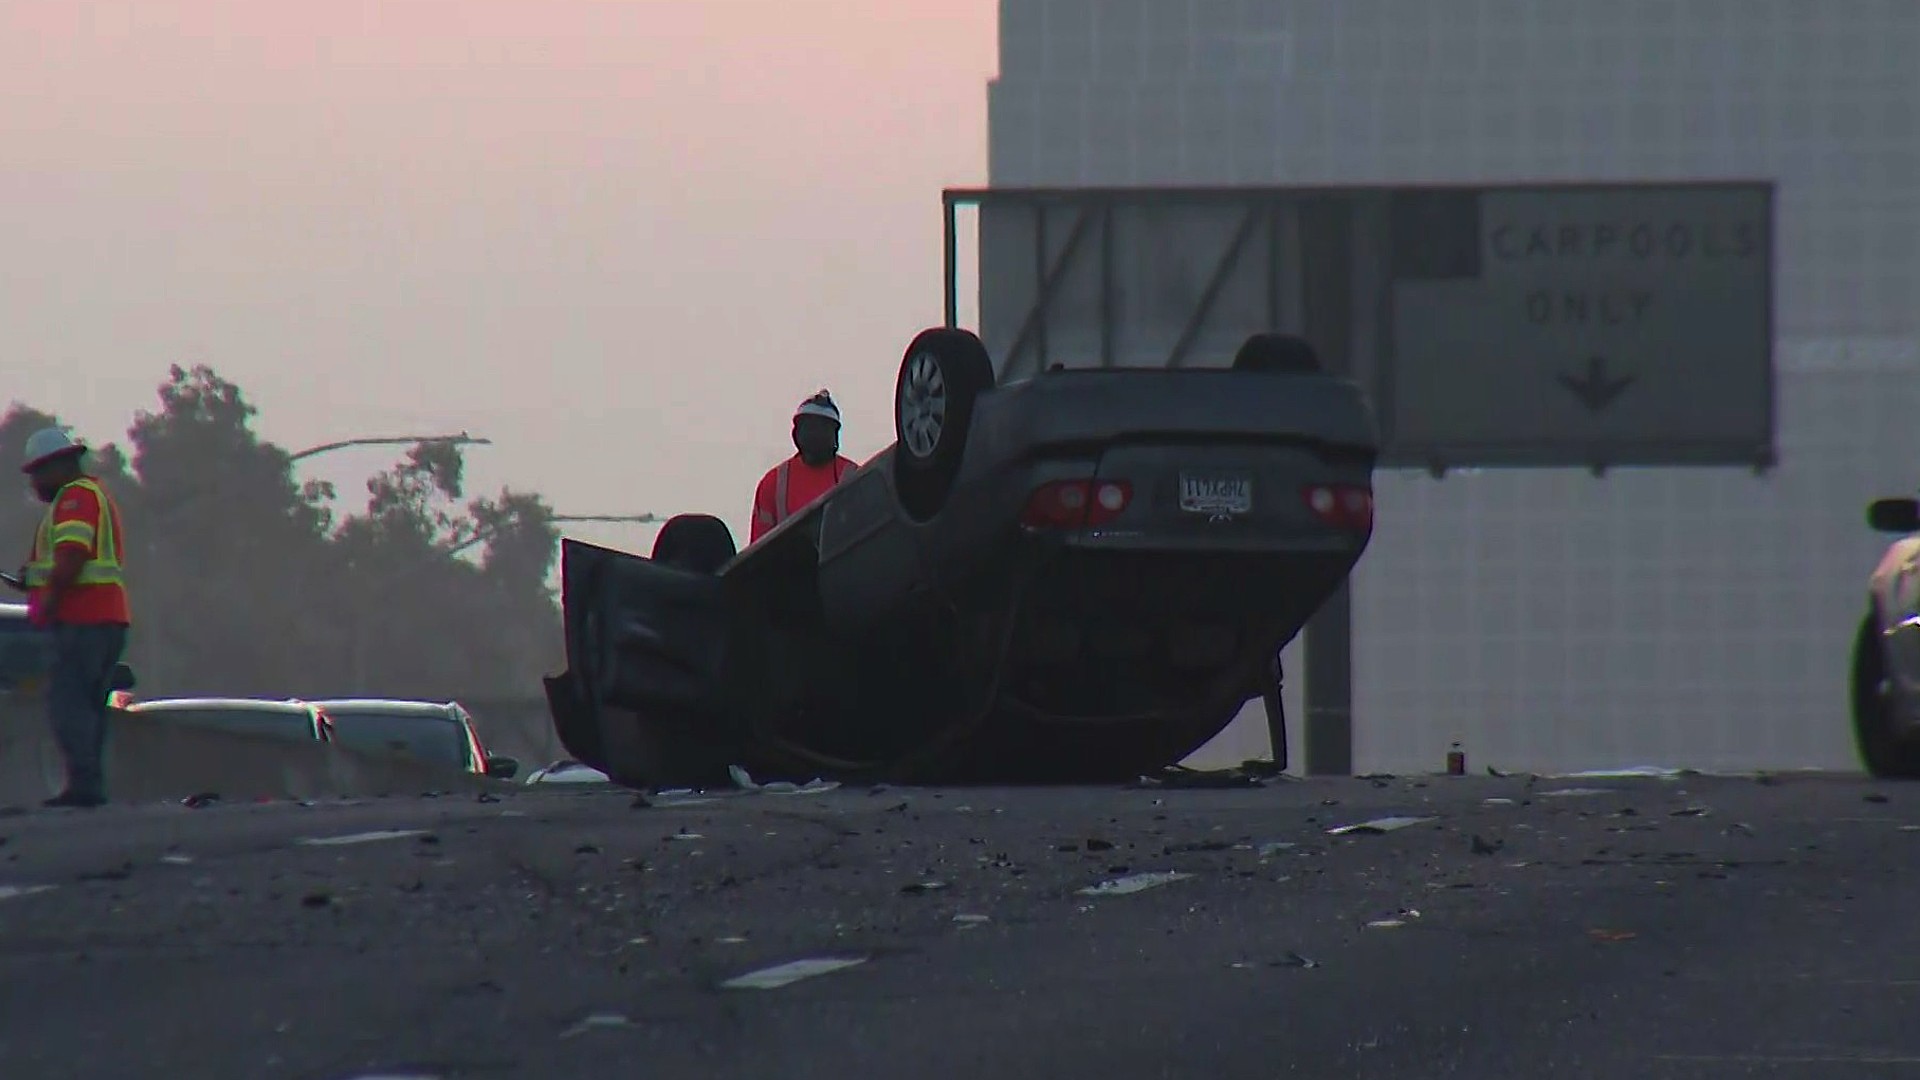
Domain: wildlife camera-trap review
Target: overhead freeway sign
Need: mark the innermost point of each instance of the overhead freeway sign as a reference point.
(1621, 325)
(1587, 325)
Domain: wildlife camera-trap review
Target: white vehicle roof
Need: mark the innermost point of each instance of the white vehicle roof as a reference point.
(395, 706)
(222, 704)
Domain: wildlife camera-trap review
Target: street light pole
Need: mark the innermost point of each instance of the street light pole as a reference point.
(462, 439)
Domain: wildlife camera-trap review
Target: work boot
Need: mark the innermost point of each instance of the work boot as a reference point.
(76, 799)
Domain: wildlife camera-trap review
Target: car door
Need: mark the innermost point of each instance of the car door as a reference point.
(641, 635)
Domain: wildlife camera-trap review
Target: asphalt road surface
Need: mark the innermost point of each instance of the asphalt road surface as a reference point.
(1691, 927)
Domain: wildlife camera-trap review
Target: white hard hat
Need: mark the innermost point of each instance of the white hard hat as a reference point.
(49, 443)
(821, 405)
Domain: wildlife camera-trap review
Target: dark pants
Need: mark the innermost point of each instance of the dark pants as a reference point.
(77, 689)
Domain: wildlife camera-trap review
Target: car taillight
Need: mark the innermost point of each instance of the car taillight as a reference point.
(1343, 506)
(1074, 504)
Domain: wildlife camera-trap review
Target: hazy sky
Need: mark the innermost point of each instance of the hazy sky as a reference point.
(620, 238)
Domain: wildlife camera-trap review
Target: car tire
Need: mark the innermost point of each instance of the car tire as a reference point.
(942, 375)
(1884, 754)
(696, 543)
(1277, 354)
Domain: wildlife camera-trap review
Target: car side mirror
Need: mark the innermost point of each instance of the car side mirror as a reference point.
(502, 768)
(121, 678)
(1894, 515)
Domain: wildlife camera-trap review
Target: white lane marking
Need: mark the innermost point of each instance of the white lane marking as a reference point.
(12, 892)
(793, 971)
(1377, 825)
(360, 838)
(1134, 883)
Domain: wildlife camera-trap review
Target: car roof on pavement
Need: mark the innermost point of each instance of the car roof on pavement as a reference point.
(234, 704)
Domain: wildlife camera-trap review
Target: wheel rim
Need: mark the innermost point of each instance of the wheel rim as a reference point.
(923, 405)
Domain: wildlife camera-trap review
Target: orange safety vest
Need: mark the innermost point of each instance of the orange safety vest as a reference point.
(766, 517)
(99, 594)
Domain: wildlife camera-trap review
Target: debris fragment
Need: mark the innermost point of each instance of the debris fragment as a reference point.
(14, 892)
(687, 836)
(640, 801)
(1180, 776)
(1097, 844)
(1134, 883)
(1269, 850)
(318, 898)
(921, 888)
(597, 1020)
(971, 920)
(1612, 935)
(741, 778)
(1574, 792)
(1690, 811)
(204, 798)
(815, 786)
(1496, 801)
(359, 838)
(1876, 797)
(773, 978)
(586, 849)
(1651, 771)
(1481, 846)
(1377, 826)
(1294, 959)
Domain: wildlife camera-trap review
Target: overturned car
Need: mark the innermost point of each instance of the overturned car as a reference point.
(1080, 576)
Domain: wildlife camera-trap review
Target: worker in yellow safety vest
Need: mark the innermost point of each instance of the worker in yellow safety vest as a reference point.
(76, 590)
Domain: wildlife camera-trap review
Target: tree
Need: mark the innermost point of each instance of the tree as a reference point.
(245, 580)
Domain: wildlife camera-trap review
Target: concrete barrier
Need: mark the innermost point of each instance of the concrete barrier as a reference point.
(151, 760)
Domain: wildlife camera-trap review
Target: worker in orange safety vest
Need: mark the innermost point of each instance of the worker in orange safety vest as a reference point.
(811, 472)
(76, 590)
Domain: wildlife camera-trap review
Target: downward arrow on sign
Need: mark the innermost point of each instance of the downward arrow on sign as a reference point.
(1596, 389)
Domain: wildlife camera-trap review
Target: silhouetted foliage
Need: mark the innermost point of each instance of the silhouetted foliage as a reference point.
(246, 580)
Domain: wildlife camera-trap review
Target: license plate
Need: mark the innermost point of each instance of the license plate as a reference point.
(1216, 493)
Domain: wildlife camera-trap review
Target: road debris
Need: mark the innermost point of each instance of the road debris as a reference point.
(684, 835)
(359, 838)
(1180, 776)
(1574, 792)
(203, 799)
(1612, 935)
(1399, 919)
(921, 888)
(14, 892)
(1655, 772)
(319, 898)
(969, 921)
(1690, 811)
(1875, 797)
(1134, 883)
(1480, 846)
(1269, 850)
(1496, 801)
(773, 978)
(1377, 826)
(595, 1021)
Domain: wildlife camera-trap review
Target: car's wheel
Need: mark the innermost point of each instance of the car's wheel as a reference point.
(943, 373)
(1277, 354)
(698, 543)
(1881, 750)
